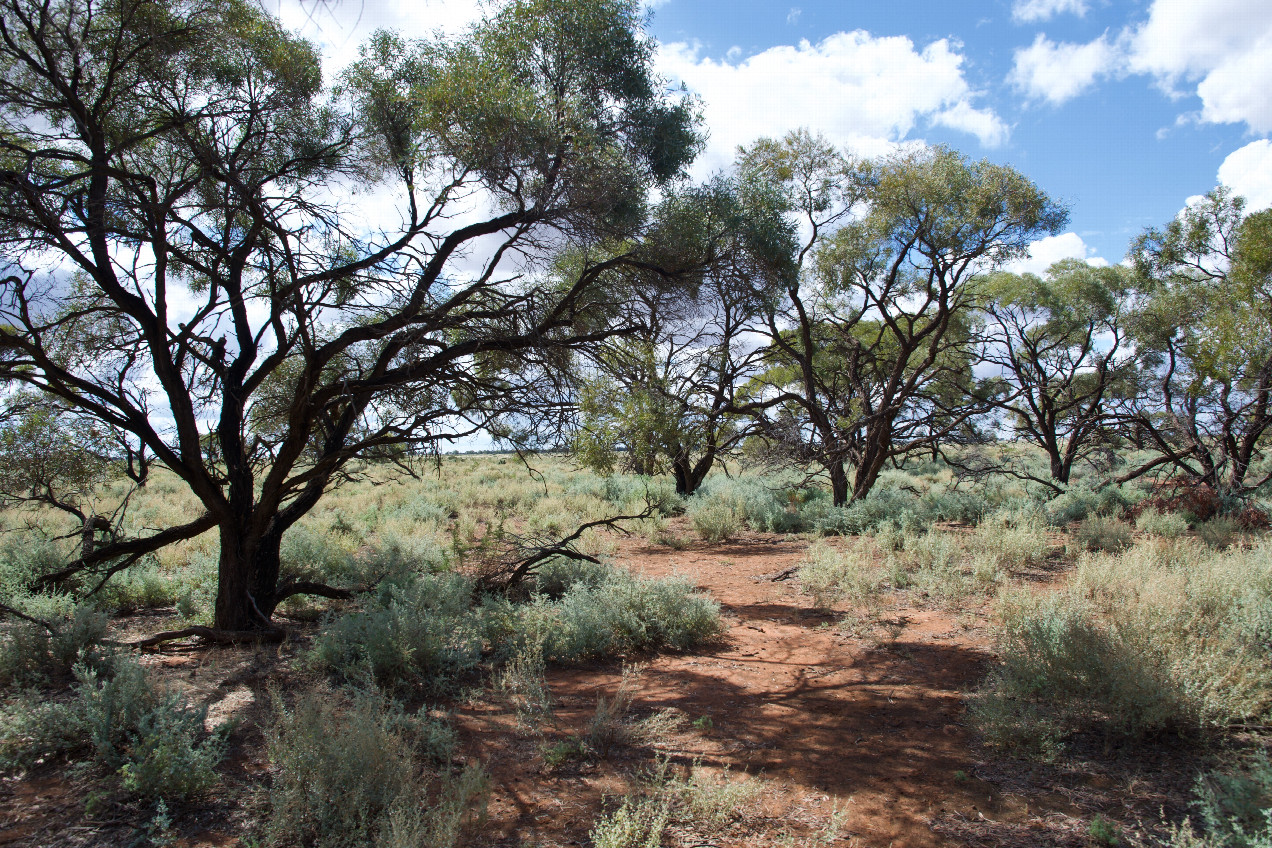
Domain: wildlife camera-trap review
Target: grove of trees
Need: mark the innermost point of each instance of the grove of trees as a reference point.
(218, 263)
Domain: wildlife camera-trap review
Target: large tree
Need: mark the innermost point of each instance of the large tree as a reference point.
(257, 279)
(1062, 346)
(871, 347)
(663, 398)
(1205, 332)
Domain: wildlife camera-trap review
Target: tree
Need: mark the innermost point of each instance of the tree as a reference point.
(871, 347)
(664, 396)
(189, 263)
(1062, 348)
(1205, 329)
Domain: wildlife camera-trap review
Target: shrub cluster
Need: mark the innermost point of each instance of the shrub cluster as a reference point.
(1166, 636)
(426, 629)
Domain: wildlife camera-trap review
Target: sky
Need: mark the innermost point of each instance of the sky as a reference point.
(1120, 110)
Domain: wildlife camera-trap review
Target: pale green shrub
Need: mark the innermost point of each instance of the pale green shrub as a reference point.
(150, 737)
(638, 823)
(1158, 637)
(29, 654)
(422, 630)
(714, 520)
(1218, 532)
(1103, 534)
(831, 575)
(370, 783)
(1168, 525)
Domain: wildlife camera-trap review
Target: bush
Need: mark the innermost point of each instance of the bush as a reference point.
(831, 575)
(715, 521)
(1236, 807)
(417, 630)
(371, 783)
(1159, 637)
(1168, 525)
(1103, 534)
(1217, 532)
(150, 737)
(29, 654)
(624, 612)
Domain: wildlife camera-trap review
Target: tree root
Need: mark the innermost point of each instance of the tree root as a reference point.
(219, 637)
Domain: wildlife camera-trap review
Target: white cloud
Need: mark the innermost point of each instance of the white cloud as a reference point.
(339, 28)
(1223, 47)
(1047, 251)
(792, 17)
(863, 92)
(1248, 170)
(1057, 72)
(1027, 11)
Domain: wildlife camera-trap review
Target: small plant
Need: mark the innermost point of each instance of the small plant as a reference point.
(703, 724)
(371, 783)
(1104, 831)
(830, 575)
(1218, 533)
(715, 521)
(637, 823)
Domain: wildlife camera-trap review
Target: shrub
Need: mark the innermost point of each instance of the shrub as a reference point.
(715, 521)
(1159, 637)
(150, 737)
(830, 575)
(1236, 807)
(371, 783)
(625, 612)
(417, 630)
(1217, 532)
(29, 654)
(1103, 534)
(1168, 525)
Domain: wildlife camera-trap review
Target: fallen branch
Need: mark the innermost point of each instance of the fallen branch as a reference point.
(775, 576)
(219, 637)
(5, 608)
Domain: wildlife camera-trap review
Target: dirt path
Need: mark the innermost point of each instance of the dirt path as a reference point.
(872, 727)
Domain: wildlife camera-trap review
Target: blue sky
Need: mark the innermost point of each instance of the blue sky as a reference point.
(1122, 110)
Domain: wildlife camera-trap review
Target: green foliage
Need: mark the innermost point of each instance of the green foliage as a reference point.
(830, 575)
(30, 655)
(420, 630)
(151, 738)
(1167, 525)
(1236, 806)
(1164, 636)
(372, 783)
(425, 630)
(1103, 534)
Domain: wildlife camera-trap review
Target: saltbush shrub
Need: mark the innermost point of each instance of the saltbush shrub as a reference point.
(149, 736)
(1161, 637)
(374, 782)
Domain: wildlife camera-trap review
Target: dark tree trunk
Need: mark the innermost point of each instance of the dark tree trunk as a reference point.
(688, 474)
(838, 483)
(248, 580)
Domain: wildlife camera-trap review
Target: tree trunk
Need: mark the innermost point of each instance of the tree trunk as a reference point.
(247, 580)
(688, 474)
(838, 483)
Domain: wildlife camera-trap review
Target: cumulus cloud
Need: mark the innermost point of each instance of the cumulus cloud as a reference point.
(1029, 11)
(1248, 170)
(1047, 251)
(1057, 72)
(1221, 50)
(863, 92)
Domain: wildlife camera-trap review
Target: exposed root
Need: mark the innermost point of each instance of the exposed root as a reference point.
(774, 577)
(219, 637)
